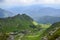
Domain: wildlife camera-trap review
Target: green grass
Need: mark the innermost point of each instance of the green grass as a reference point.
(45, 25)
(38, 34)
(35, 23)
(31, 37)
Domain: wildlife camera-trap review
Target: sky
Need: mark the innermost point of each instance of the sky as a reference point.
(8, 4)
(12, 3)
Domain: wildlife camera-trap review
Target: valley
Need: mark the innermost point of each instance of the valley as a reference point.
(24, 27)
(18, 28)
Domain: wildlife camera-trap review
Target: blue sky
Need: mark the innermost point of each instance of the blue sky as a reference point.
(12, 3)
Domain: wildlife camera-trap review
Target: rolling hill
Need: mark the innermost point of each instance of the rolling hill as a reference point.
(18, 22)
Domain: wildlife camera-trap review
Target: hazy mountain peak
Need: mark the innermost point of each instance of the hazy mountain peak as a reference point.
(4, 13)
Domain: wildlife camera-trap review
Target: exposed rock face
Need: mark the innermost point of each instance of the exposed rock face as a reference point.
(52, 35)
(58, 38)
(11, 37)
(44, 38)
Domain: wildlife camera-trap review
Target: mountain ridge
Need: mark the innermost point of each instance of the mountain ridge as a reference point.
(5, 13)
(37, 11)
(48, 19)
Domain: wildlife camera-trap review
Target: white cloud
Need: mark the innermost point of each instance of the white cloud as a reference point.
(48, 2)
(21, 2)
(28, 2)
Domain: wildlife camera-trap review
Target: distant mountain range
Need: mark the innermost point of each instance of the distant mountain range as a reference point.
(5, 13)
(40, 13)
(37, 11)
(48, 19)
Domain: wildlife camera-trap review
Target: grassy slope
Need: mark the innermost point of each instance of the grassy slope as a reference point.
(19, 22)
(38, 34)
(15, 24)
(54, 29)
